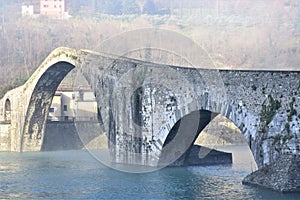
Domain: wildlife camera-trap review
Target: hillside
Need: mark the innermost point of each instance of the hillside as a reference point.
(220, 132)
(243, 35)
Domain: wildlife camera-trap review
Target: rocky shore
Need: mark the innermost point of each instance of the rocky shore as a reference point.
(283, 175)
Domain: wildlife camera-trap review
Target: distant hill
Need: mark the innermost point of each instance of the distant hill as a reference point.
(219, 132)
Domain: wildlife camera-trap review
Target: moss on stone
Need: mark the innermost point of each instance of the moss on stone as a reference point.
(292, 109)
(172, 98)
(269, 109)
(287, 127)
(276, 139)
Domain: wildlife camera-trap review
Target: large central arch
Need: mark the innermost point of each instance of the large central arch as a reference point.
(37, 93)
(39, 104)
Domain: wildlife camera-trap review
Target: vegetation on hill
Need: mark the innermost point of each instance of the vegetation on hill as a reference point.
(247, 35)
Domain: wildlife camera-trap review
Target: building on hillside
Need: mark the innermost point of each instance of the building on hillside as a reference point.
(31, 8)
(54, 9)
(27, 10)
(73, 105)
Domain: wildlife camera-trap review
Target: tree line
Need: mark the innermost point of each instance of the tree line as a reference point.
(118, 7)
(232, 37)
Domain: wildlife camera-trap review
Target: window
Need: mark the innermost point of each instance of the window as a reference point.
(65, 108)
(51, 110)
(54, 6)
(66, 118)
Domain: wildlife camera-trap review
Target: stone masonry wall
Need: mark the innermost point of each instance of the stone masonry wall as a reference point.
(140, 103)
(5, 137)
(266, 109)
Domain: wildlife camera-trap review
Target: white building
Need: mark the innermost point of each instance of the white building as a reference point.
(55, 9)
(70, 105)
(27, 10)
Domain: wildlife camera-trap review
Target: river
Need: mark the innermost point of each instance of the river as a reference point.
(77, 175)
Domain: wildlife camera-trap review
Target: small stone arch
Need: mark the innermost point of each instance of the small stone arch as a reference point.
(7, 111)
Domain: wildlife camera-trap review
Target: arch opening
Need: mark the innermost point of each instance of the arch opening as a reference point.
(7, 111)
(182, 136)
(215, 140)
(37, 115)
(223, 135)
(74, 121)
(39, 105)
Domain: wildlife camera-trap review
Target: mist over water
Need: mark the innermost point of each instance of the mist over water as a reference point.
(77, 175)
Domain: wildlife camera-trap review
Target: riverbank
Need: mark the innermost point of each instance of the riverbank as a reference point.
(283, 175)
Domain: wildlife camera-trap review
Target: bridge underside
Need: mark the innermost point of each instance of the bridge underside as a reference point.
(182, 136)
(40, 102)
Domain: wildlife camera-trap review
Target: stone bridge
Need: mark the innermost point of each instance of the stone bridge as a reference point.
(152, 113)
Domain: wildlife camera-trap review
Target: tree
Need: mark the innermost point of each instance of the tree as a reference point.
(149, 7)
(130, 7)
(113, 7)
(297, 18)
(73, 7)
(141, 4)
(97, 5)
